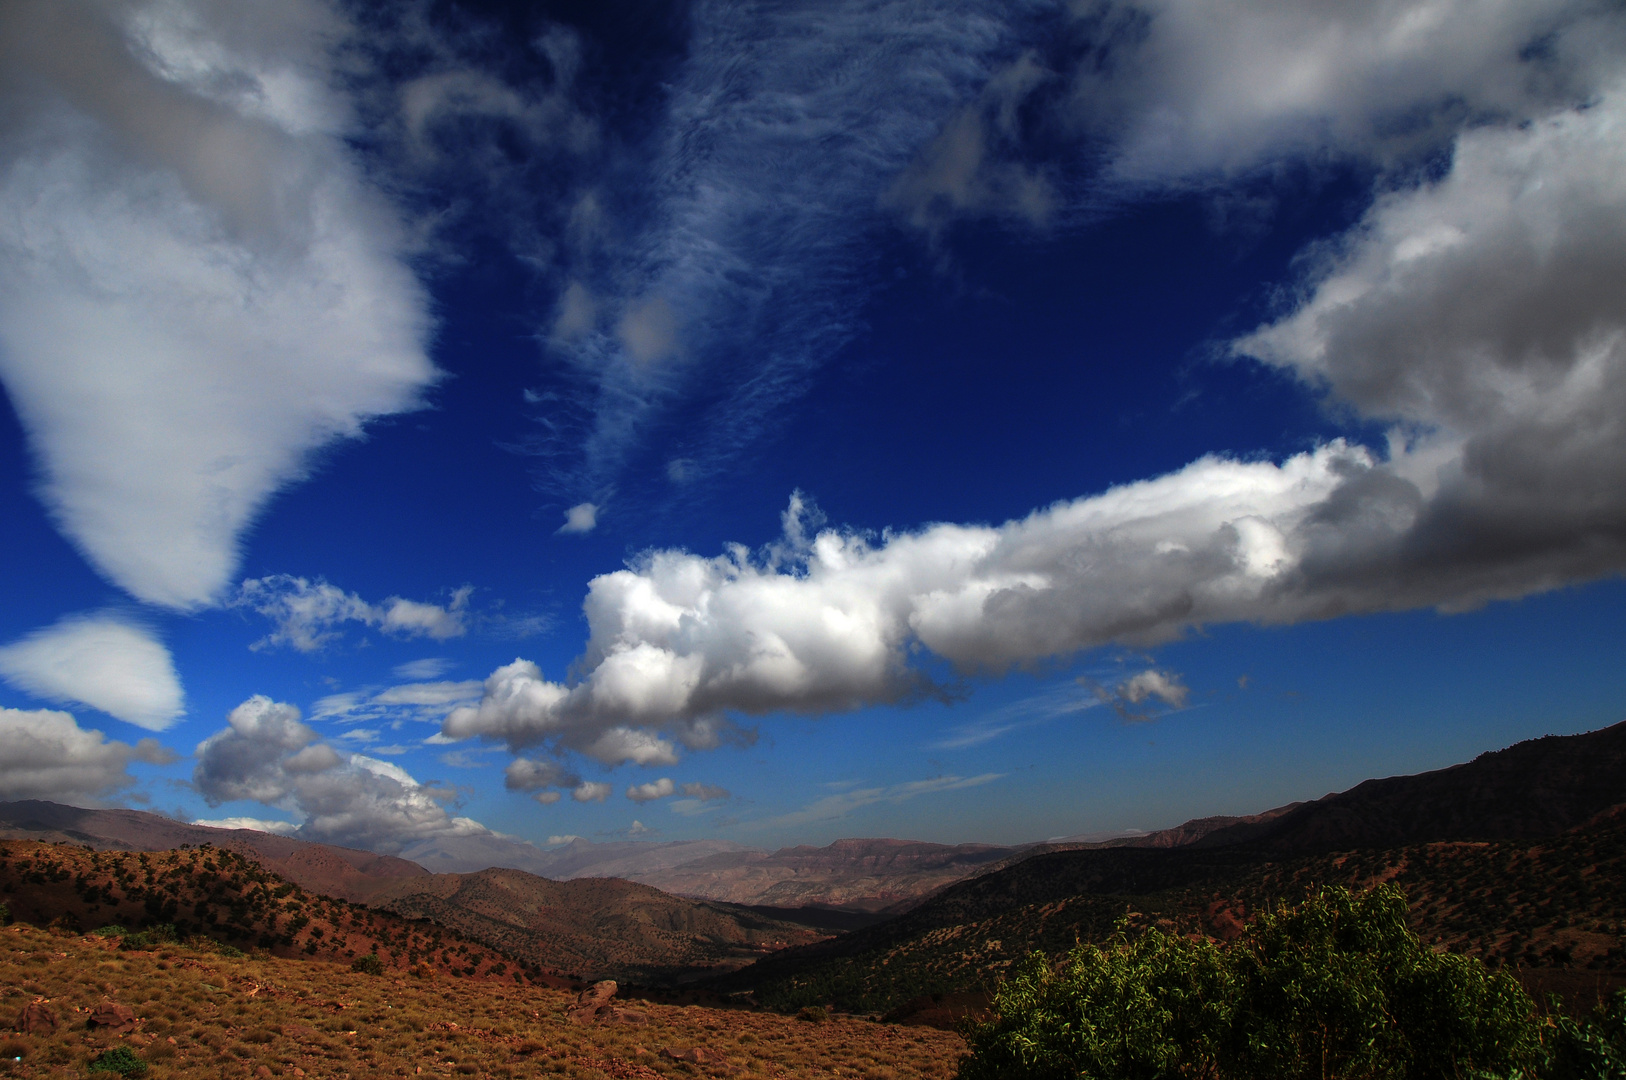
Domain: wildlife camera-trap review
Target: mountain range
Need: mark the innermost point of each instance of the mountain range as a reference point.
(1518, 856)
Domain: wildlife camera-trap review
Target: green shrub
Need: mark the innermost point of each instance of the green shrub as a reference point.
(110, 930)
(121, 1060)
(1336, 987)
(368, 965)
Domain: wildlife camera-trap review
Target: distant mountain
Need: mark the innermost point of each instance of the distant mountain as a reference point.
(594, 927)
(1518, 855)
(856, 875)
(322, 868)
(599, 927)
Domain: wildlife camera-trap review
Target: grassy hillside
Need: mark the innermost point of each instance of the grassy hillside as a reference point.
(204, 1016)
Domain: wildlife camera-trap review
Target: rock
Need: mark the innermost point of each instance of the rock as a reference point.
(597, 994)
(711, 1060)
(263, 1072)
(593, 1007)
(113, 1016)
(36, 1016)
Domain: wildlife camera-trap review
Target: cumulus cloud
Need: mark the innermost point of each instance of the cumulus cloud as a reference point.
(309, 615)
(1185, 91)
(591, 791)
(1130, 697)
(45, 754)
(198, 288)
(103, 661)
(655, 789)
(581, 518)
(267, 754)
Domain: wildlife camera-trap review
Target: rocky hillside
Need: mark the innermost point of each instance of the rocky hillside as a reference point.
(859, 875)
(1518, 856)
(322, 868)
(228, 898)
(595, 927)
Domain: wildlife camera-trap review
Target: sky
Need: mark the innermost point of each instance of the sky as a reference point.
(431, 423)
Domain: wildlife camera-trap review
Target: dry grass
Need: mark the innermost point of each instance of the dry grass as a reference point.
(204, 1015)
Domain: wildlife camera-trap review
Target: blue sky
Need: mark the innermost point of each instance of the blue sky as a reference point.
(964, 421)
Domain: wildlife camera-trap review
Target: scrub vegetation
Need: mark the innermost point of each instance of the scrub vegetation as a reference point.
(204, 1013)
(1336, 987)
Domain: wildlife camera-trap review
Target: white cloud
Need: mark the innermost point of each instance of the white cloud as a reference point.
(706, 792)
(277, 828)
(46, 755)
(1129, 697)
(581, 518)
(568, 838)
(423, 670)
(591, 791)
(840, 805)
(309, 615)
(266, 754)
(197, 287)
(638, 828)
(1165, 686)
(103, 661)
(655, 789)
(1187, 90)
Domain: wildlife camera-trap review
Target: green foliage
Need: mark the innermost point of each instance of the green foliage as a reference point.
(150, 938)
(1337, 986)
(1593, 1048)
(368, 965)
(110, 930)
(1147, 1006)
(121, 1060)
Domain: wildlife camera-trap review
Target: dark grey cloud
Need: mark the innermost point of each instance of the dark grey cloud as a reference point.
(45, 754)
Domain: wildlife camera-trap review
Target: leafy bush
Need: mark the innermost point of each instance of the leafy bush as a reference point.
(368, 965)
(110, 930)
(1335, 987)
(1593, 1048)
(121, 1060)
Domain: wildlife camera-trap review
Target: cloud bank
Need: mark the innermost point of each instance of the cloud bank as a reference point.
(266, 754)
(103, 661)
(45, 754)
(198, 289)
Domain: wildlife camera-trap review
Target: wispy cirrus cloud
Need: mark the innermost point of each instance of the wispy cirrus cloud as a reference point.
(784, 125)
(832, 807)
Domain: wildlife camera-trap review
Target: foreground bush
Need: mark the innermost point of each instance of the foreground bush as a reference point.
(1337, 987)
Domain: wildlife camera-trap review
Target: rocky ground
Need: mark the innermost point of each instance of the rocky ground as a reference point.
(190, 1012)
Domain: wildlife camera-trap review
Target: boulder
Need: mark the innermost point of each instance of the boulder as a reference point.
(36, 1017)
(112, 1016)
(593, 1004)
(712, 1061)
